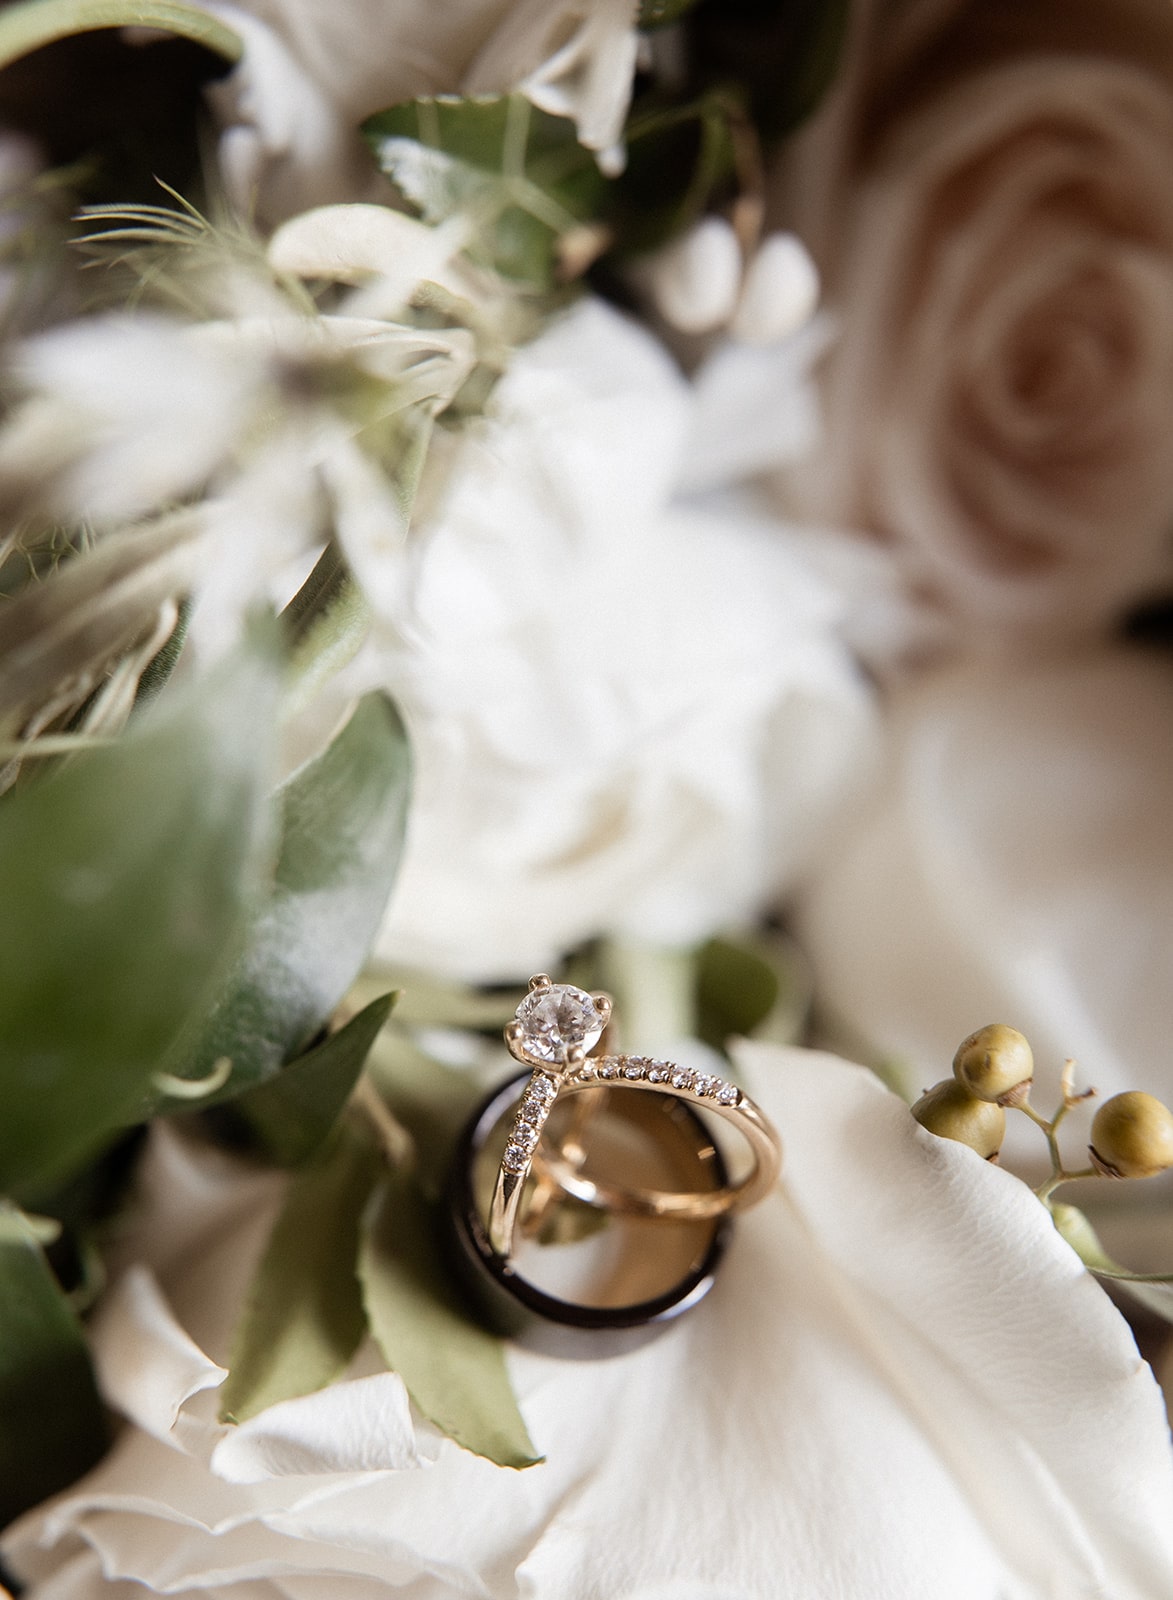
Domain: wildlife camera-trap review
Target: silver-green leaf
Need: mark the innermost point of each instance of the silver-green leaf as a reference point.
(126, 878)
(453, 1368)
(53, 1427)
(303, 1318)
(1154, 1290)
(343, 819)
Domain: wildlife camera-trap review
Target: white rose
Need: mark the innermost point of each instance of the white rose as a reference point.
(1000, 399)
(1012, 866)
(311, 73)
(903, 1386)
(629, 714)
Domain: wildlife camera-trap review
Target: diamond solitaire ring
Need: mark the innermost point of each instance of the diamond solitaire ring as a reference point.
(555, 1028)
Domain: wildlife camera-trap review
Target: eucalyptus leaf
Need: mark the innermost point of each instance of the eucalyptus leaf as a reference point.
(303, 1318)
(343, 818)
(454, 1370)
(519, 173)
(126, 877)
(288, 1118)
(35, 23)
(1154, 1290)
(53, 1425)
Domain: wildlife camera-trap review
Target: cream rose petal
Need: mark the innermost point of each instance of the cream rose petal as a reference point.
(904, 1386)
(1012, 866)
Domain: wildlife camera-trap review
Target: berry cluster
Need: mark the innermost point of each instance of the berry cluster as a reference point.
(1132, 1133)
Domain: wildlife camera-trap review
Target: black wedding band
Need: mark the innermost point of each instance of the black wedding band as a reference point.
(514, 1306)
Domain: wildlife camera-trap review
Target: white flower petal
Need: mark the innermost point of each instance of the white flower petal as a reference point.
(149, 1365)
(694, 282)
(1013, 866)
(780, 292)
(352, 243)
(904, 1385)
(363, 1425)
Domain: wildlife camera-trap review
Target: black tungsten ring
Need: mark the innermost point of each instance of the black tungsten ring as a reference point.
(514, 1306)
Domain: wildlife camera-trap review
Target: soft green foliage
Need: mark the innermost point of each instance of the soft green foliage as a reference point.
(1154, 1290)
(517, 174)
(755, 984)
(426, 1001)
(680, 160)
(342, 823)
(126, 877)
(304, 1319)
(431, 1101)
(51, 1423)
(289, 1117)
(783, 54)
(454, 1370)
(532, 194)
(660, 13)
(27, 27)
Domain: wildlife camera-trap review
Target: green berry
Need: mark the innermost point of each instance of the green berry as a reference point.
(995, 1063)
(951, 1112)
(1132, 1136)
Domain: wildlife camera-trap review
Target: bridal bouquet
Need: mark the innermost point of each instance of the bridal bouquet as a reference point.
(674, 495)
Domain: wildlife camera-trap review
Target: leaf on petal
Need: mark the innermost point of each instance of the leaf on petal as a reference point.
(454, 1370)
(304, 1318)
(1154, 1290)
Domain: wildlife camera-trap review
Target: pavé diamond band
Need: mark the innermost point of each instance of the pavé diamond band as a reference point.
(555, 1026)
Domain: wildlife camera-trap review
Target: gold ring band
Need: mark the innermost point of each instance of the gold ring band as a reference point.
(563, 1068)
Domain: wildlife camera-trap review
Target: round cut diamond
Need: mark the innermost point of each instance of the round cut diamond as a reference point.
(556, 1018)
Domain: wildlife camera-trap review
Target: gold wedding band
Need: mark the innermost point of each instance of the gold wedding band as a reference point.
(555, 1027)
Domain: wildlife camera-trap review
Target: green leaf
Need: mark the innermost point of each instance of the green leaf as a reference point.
(518, 173)
(425, 1001)
(430, 1100)
(755, 984)
(343, 818)
(660, 13)
(288, 1118)
(53, 1427)
(129, 873)
(680, 162)
(784, 54)
(454, 1370)
(25, 28)
(1154, 1290)
(304, 1318)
